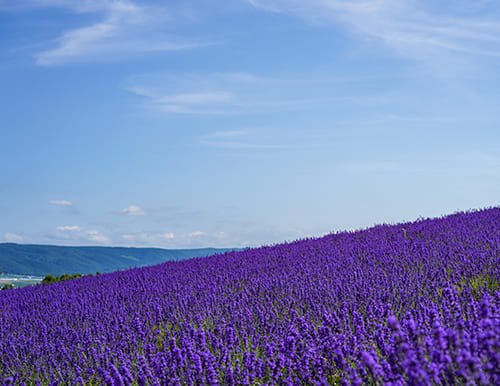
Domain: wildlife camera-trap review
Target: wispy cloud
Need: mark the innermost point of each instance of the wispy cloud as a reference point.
(196, 98)
(470, 163)
(268, 6)
(74, 233)
(248, 235)
(133, 210)
(184, 240)
(473, 161)
(238, 139)
(193, 102)
(188, 100)
(242, 145)
(147, 238)
(421, 30)
(60, 202)
(120, 28)
(196, 233)
(69, 228)
(13, 238)
(238, 93)
(96, 236)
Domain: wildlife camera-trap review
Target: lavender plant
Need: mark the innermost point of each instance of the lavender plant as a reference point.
(376, 306)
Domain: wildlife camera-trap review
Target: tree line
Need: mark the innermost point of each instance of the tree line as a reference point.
(50, 279)
(7, 285)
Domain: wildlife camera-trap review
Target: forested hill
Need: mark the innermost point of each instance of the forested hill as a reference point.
(40, 260)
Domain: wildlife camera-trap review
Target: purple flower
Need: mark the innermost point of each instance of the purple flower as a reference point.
(360, 307)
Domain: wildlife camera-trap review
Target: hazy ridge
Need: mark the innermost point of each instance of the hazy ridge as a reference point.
(39, 260)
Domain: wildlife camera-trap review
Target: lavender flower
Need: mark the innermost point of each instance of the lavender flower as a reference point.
(348, 308)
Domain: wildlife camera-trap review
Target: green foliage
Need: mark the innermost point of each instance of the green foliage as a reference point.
(477, 285)
(8, 285)
(50, 279)
(480, 283)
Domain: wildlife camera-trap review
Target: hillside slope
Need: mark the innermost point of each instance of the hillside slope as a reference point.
(406, 304)
(40, 260)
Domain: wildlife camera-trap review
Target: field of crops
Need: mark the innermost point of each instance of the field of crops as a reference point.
(415, 303)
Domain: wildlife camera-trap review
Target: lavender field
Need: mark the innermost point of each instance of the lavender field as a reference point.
(415, 303)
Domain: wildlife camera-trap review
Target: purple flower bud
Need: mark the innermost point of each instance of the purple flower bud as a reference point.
(393, 323)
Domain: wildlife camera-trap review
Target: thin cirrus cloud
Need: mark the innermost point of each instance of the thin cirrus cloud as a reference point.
(120, 28)
(185, 102)
(238, 139)
(60, 202)
(445, 32)
(194, 102)
(237, 93)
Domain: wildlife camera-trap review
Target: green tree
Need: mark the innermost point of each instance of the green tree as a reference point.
(8, 285)
(49, 279)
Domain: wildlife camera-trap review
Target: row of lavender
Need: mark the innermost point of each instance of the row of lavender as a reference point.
(412, 303)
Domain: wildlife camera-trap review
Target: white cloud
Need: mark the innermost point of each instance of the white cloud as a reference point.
(96, 236)
(13, 238)
(430, 33)
(74, 233)
(61, 202)
(169, 239)
(124, 28)
(226, 140)
(69, 228)
(133, 210)
(192, 102)
(263, 5)
(235, 93)
(237, 238)
(148, 238)
(196, 98)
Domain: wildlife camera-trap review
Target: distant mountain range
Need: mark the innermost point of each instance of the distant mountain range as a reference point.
(41, 260)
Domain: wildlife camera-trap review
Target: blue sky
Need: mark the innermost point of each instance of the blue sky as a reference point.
(185, 123)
